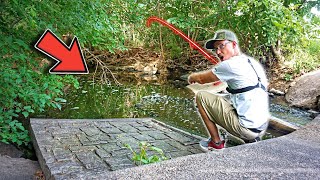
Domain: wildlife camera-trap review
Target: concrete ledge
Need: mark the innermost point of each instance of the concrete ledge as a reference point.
(87, 148)
(281, 125)
(293, 156)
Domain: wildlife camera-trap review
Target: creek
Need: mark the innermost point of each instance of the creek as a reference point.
(167, 101)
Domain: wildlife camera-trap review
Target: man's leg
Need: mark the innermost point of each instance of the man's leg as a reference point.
(212, 127)
(215, 110)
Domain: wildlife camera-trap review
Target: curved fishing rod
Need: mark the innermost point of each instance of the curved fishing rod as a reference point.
(192, 44)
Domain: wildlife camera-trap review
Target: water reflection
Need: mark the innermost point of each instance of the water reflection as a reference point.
(166, 102)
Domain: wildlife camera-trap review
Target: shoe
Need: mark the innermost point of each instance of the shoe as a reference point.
(209, 145)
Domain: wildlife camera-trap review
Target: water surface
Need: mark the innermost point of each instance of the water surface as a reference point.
(169, 103)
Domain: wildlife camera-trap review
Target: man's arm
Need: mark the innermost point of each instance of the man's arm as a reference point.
(202, 77)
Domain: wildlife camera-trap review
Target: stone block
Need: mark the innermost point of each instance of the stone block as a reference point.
(102, 123)
(119, 163)
(70, 142)
(181, 138)
(65, 167)
(105, 137)
(111, 147)
(111, 130)
(118, 123)
(195, 150)
(121, 153)
(62, 133)
(178, 145)
(127, 140)
(144, 128)
(164, 145)
(42, 132)
(128, 129)
(91, 130)
(91, 161)
(143, 137)
(114, 167)
(102, 153)
(45, 140)
(83, 139)
(135, 124)
(62, 154)
(157, 135)
(83, 149)
(54, 143)
(176, 154)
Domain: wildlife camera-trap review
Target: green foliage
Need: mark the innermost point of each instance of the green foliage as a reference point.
(24, 89)
(314, 47)
(261, 26)
(99, 23)
(142, 157)
(112, 25)
(302, 61)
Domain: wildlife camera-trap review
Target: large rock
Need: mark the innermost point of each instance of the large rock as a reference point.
(305, 92)
(19, 169)
(10, 150)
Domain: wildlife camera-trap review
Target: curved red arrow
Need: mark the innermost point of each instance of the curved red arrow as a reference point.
(192, 44)
(70, 59)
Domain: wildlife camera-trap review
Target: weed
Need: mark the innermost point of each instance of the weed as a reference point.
(288, 77)
(142, 157)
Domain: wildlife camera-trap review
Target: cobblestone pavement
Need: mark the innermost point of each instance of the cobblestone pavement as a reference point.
(84, 148)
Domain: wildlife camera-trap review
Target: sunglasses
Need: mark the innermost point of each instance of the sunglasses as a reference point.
(220, 46)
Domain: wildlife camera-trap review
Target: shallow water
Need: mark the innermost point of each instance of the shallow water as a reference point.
(168, 103)
(296, 116)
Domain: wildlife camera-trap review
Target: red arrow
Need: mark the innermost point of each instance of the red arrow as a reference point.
(192, 44)
(70, 59)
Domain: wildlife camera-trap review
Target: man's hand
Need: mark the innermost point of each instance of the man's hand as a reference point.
(193, 78)
(202, 77)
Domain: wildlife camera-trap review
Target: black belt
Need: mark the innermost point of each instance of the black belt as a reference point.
(249, 88)
(255, 130)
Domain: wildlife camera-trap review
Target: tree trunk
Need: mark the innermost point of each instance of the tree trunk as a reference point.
(276, 52)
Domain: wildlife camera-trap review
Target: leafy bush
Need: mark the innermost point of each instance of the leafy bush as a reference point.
(24, 89)
(303, 61)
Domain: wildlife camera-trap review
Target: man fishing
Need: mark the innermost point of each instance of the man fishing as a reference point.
(247, 115)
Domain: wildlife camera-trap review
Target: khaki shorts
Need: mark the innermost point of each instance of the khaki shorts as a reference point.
(221, 112)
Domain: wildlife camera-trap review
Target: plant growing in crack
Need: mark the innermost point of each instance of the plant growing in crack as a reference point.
(142, 157)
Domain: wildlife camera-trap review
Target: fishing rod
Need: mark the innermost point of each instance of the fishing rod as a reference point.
(192, 44)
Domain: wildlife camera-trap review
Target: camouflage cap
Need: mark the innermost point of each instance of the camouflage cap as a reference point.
(219, 36)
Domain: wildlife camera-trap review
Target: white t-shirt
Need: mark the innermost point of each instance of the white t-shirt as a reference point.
(252, 106)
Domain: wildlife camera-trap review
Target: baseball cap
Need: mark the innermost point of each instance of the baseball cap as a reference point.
(221, 35)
